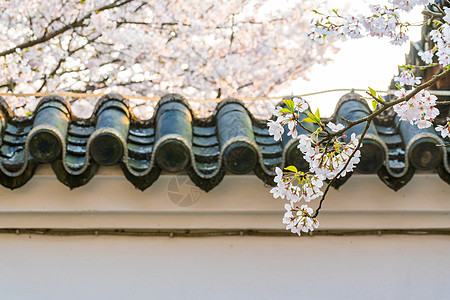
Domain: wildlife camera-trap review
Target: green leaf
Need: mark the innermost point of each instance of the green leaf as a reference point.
(312, 117)
(317, 114)
(289, 103)
(374, 104)
(291, 168)
(308, 120)
(285, 110)
(372, 92)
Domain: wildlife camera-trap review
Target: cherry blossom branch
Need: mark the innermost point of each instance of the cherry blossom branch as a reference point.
(316, 213)
(326, 163)
(77, 23)
(62, 60)
(388, 105)
(329, 158)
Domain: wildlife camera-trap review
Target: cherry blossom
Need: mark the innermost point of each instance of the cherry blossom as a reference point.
(297, 186)
(331, 156)
(299, 219)
(334, 127)
(406, 77)
(287, 116)
(419, 109)
(384, 21)
(328, 159)
(335, 162)
(427, 56)
(407, 5)
(305, 143)
(200, 49)
(275, 129)
(444, 129)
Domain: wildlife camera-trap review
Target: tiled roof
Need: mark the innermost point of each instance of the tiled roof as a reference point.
(173, 140)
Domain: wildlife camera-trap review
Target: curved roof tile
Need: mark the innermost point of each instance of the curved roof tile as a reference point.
(174, 140)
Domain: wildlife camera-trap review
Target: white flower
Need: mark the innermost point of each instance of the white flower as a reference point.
(334, 127)
(299, 219)
(423, 124)
(278, 192)
(305, 145)
(419, 109)
(447, 15)
(300, 104)
(328, 163)
(83, 108)
(276, 112)
(275, 129)
(279, 176)
(427, 56)
(445, 130)
(407, 78)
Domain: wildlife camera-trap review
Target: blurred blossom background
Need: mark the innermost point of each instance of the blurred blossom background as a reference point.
(360, 63)
(255, 50)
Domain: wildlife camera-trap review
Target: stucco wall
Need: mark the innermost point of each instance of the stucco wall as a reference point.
(375, 267)
(241, 267)
(110, 201)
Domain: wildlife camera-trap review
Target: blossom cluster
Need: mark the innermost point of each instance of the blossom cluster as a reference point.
(444, 129)
(198, 48)
(332, 162)
(289, 116)
(22, 106)
(406, 77)
(441, 39)
(329, 155)
(327, 160)
(382, 21)
(297, 186)
(385, 21)
(419, 109)
(298, 218)
(408, 5)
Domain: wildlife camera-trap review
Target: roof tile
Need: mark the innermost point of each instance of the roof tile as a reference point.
(173, 140)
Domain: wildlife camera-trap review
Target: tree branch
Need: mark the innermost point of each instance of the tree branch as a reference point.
(395, 102)
(340, 172)
(77, 23)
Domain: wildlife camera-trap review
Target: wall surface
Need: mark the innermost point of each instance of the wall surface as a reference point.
(385, 267)
(240, 202)
(36, 266)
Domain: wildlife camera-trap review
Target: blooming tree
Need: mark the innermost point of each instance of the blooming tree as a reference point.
(199, 48)
(328, 151)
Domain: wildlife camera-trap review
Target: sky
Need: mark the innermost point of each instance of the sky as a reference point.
(359, 64)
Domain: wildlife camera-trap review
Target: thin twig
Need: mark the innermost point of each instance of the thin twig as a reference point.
(388, 105)
(342, 170)
(382, 102)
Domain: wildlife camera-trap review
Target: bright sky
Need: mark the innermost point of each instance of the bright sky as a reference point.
(359, 64)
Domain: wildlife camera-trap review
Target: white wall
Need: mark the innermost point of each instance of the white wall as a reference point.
(319, 267)
(110, 201)
(385, 267)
